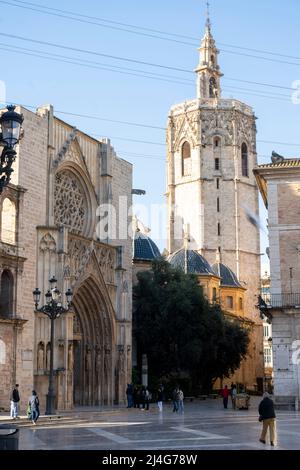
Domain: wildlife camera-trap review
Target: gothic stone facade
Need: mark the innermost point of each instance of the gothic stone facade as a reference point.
(49, 224)
(211, 151)
(279, 184)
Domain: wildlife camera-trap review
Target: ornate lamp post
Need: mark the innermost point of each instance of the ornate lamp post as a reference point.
(53, 308)
(11, 123)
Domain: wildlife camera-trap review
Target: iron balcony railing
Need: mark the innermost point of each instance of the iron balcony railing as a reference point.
(279, 301)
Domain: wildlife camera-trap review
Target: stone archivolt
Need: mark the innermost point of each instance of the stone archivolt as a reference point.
(186, 126)
(79, 253)
(246, 130)
(216, 122)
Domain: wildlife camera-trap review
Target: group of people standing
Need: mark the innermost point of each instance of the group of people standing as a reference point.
(33, 407)
(140, 397)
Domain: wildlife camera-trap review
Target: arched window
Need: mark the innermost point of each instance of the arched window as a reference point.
(245, 171)
(186, 159)
(212, 87)
(6, 294)
(212, 59)
(217, 143)
(8, 222)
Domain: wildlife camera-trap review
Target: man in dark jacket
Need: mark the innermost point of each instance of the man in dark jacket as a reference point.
(267, 416)
(14, 402)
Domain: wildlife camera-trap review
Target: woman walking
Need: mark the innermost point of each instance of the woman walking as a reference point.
(34, 405)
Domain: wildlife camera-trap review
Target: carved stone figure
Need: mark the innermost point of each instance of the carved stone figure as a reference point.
(47, 243)
(88, 359)
(70, 357)
(48, 356)
(40, 356)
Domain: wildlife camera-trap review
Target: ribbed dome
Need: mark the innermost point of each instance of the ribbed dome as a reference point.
(196, 264)
(144, 248)
(228, 278)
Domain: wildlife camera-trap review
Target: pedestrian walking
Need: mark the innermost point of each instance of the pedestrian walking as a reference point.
(129, 393)
(160, 398)
(174, 399)
(180, 401)
(147, 398)
(14, 402)
(34, 405)
(225, 394)
(233, 396)
(267, 417)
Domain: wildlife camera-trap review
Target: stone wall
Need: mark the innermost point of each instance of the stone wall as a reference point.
(49, 146)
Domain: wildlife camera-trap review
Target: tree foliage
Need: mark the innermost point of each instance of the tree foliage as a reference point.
(181, 333)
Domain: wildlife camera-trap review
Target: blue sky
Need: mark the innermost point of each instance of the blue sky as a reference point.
(269, 25)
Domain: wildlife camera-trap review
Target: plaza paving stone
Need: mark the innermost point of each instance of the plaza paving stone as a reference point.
(204, 425)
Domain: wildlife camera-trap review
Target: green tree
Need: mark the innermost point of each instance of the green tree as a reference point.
(181, 332)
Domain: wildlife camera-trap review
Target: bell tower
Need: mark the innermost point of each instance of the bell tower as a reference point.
(211, 152)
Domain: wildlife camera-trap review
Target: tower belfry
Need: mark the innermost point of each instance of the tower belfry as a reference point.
(208, 71)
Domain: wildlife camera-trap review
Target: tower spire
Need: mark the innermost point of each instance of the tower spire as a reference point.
(208, 22)
(208, 70)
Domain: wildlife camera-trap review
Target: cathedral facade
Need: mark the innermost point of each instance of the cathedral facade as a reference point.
(50, 217)
(211, 191)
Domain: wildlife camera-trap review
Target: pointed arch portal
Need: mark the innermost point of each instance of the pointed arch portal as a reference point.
(93, 340)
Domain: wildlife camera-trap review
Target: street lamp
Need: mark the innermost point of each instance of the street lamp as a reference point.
(11, 123)
(53, 308)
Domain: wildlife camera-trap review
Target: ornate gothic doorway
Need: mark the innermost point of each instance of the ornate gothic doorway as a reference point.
(92, 347)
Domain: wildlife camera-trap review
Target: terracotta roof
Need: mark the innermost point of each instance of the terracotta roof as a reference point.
(286, 163)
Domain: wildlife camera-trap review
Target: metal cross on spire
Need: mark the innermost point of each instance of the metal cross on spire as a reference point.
(208, 22)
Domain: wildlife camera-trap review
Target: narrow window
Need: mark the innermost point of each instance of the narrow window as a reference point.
(219, 229)
(212, 88)
(217, 142)
(186, 159)
(218, 204)
(214, 294)
(245, 171)
(218, 183)
(229, 301)
(6, 294)
(217, 164)
(241, 303)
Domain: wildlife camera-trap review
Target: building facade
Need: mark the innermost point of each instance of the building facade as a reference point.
(51, 219)
(211, 191)
(267, 327)
(279, 184)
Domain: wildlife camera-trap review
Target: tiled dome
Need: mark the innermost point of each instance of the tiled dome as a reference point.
(144, 248)
(228, 278)
(196, 264)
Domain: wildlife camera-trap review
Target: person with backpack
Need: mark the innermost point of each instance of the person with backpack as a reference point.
(34, 406)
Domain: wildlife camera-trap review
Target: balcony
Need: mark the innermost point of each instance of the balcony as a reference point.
(268, 301)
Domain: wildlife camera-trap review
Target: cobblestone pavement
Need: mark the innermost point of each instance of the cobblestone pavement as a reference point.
(203, 425)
